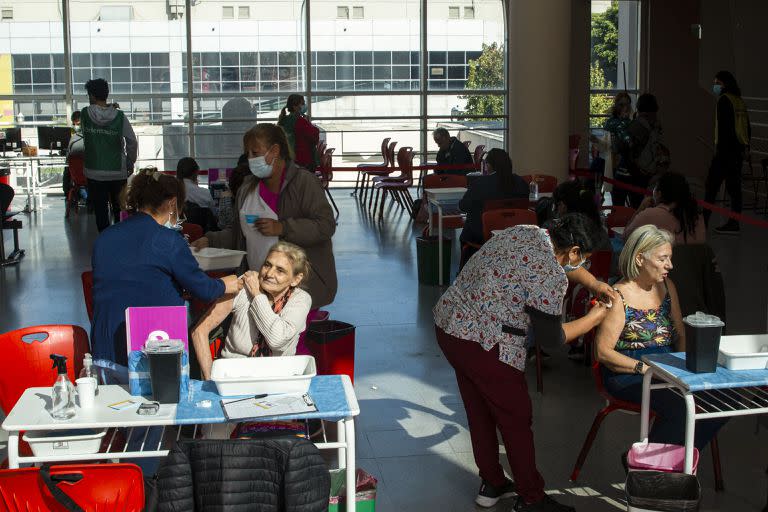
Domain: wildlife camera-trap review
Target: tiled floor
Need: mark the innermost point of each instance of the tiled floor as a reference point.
(412, 432)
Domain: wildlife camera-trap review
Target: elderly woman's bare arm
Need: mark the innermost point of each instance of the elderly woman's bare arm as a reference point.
(608, 334)
(202, 331)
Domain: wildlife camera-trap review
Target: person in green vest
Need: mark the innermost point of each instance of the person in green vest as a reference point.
(732, 134)
(110, 152)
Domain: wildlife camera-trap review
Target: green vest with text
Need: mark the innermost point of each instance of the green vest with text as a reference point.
(741, 117)
(103, 144)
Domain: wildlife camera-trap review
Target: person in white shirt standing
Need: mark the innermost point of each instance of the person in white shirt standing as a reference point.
(187, 171)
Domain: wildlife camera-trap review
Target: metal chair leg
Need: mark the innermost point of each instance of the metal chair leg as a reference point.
(715, 448)
(605, 411)
(333, 203)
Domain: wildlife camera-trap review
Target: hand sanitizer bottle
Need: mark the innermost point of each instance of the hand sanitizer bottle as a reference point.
(63, 394)
(89, 370)
(533, 190)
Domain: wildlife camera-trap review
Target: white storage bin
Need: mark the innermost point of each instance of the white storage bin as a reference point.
(64, 442)
(257, 375)
(211, 258)
(744, 352)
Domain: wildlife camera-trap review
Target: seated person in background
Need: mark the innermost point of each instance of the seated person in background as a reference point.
(452, 152)
(186, 171)
(226, 201)
(268, 315)
(673, 208)
(647, 321)
(501, 183)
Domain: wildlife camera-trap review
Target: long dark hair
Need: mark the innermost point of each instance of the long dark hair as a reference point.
(501, 164)
(730, 85)
(293, 101)
(574, 229)
(674, 189)
(577, 198)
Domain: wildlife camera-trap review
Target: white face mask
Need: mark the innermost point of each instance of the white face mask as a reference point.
(259, 167)
(170, 225)
(717, 89)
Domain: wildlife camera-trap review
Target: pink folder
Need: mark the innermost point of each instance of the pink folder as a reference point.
(169, 322)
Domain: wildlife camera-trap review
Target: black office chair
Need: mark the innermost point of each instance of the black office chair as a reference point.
(8, 222)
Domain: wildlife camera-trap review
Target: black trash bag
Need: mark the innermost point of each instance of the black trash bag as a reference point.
(663, 492)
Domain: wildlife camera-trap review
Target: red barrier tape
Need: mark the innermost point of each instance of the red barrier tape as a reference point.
(709, 206)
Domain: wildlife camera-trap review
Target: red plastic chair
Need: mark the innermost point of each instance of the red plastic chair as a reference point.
(372, 176)
(397, 187)
(26, 353)
(93, 487)
(78, 181)
(618, 216)
(446, 181)
(361, 176)
(87, 279)
(613, 404)
(467, 143)
(505, 218)
(547, 183)
(192, 231)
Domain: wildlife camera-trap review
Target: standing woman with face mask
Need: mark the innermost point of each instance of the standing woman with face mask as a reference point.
(280, 201)
(302, 135)
(141, 262)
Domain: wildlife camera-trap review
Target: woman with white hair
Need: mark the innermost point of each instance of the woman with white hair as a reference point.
(650, 322)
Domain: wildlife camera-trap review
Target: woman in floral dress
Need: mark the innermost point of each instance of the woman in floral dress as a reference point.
(649, 322)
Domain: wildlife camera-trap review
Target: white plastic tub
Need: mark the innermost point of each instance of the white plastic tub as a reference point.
(257, 375)
(65, 442)
(211, 258)
(744, 352)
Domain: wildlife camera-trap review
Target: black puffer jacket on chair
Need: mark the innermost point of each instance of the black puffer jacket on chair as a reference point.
(261, 475)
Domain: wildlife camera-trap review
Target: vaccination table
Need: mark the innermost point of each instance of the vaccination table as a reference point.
(720, 394)
(333, 395)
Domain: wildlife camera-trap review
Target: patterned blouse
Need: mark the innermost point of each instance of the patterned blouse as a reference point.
(645, 328)
(514, 271)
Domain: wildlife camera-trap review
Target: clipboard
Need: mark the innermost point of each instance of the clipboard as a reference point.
(267, 407)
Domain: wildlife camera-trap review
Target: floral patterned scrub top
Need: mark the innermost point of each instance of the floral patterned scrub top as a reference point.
(514, 272)
(645, 328)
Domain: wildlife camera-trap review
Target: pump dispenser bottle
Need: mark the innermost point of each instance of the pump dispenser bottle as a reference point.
(63, 394)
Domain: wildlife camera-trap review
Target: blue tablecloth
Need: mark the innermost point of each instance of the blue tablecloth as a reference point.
(327, 391)
(674, 365)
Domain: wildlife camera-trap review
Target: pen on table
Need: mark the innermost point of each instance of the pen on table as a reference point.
(254, 397)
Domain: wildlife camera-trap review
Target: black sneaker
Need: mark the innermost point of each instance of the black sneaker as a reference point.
(547, 504)
(489, 495)
(729, 228)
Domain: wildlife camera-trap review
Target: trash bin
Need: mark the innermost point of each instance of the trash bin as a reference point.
(702, 342)
(655, 491)
(365, 491)
(332, 343)
(427, 252)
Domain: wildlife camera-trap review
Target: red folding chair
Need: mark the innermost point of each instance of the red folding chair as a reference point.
(371, 176)
(325, 175)
(618, 216)
(361, 176)
(192, 231)
(92, 487)
(397, 187)
(477, 156)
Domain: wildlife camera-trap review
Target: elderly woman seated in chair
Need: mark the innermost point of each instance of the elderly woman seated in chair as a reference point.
(268, 314)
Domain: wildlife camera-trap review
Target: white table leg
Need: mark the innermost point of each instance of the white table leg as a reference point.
(645, 405)
(440, 244)
(13, 450)
(690, 430)
(341, 436)
(349, 425)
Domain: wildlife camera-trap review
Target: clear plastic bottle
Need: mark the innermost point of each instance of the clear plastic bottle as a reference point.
(63, 393)
(89, 370)
(533, 190)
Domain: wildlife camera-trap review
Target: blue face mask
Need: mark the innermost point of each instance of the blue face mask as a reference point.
(717, 89)
(259, 167)
(303, 109)
(570, 268)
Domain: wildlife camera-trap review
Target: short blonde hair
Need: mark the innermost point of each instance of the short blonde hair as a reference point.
(643, 240)
(296, 254)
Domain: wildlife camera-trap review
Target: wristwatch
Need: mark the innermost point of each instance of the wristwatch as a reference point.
(638, 368)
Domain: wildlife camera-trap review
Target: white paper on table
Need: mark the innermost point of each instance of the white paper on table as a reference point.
(274, 405)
